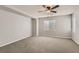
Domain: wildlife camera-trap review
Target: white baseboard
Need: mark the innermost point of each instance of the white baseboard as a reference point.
(77, 42)
(7, 43)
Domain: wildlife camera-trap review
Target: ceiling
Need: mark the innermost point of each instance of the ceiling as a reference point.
(32, 10)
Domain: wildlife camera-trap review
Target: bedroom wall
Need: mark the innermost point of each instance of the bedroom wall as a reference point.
(75, 29)
(62, 29)
(13, 27)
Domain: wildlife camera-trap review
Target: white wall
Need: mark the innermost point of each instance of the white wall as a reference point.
(13, 27)
(62, 29)
(75, 24)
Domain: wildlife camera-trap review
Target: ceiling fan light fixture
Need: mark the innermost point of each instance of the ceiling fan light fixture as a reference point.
(48, 11)
(50, 8)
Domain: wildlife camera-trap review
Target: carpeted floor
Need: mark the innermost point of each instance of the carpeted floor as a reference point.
(41, 45)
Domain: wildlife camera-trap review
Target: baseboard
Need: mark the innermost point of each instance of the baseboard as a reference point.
(14, 41)
(64, 37)
(57, 37)
(77, 42)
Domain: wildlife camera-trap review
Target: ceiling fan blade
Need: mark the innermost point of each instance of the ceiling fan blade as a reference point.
(55, 7)
(54, 11)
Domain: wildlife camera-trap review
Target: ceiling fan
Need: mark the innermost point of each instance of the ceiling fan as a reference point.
(49, 8)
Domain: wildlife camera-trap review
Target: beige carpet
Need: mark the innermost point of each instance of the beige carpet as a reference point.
(41, 44)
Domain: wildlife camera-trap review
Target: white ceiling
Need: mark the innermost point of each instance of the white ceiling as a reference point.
(32, 10)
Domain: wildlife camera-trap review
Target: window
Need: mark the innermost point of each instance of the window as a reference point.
(49, 24)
